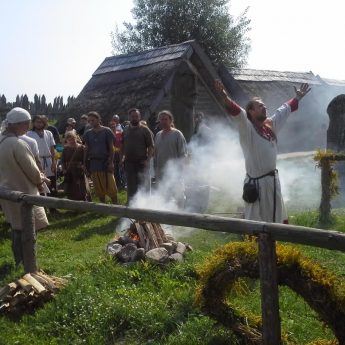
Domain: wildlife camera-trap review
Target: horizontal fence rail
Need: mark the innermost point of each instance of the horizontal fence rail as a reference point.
(280, 232)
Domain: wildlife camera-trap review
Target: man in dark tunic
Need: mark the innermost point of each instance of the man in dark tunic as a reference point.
(99, 158)
(137, 150)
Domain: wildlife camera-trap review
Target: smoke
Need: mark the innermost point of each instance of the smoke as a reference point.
(212, 179)
(300, 181)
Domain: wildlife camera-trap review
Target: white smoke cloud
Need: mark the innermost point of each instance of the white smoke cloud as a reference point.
(213, 179)
(300, 181)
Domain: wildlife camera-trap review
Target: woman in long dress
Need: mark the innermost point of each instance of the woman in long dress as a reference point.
(75, 181)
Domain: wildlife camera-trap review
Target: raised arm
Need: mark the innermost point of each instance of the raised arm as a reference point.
(302, 91)
(281, 114)
(232, 107)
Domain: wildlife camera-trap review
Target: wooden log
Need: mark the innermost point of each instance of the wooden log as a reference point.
(141, 234)
(157, 233)
(271, 332)
(25, 285)
(325, 204)
(28, 238)
(157, 243)
(35, 284)
(4, 292)
(58, 281)
(50, 285)
(48, 278)
(4, 306)
(161, 231)
(280, 232)
(18, 297)
(7, 290)
(151, 236)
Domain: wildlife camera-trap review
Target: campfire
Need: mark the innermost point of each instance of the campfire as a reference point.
(27, 293)
(146, 241)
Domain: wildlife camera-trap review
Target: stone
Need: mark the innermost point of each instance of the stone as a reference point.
(157, 255)
(168, 246)
(181, 248)
(140, 254)
(127, 253)
(113, 248)
(189, 247)
(174, 244)
(177, 257)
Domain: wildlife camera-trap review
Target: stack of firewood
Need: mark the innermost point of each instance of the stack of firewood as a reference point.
(29, 292)
(144, 240)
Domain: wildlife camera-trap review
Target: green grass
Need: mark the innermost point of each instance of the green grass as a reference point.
(108, 303)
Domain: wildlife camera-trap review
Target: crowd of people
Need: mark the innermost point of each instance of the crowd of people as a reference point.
(104, 159)
(128, 155)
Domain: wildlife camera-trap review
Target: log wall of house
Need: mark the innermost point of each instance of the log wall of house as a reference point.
(204, 103)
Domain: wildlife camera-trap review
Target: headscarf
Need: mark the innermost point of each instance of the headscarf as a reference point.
(15, 115)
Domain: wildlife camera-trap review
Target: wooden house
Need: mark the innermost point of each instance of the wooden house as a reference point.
(178, 77)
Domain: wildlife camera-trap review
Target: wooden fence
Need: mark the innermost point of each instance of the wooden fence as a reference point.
(326, 164)
(267, 233)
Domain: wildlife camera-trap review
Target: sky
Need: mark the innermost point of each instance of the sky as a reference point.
(52, 47)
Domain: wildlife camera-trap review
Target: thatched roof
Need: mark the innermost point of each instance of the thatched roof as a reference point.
(268, 76)
(138, 80)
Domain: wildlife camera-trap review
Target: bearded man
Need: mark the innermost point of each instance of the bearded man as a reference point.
(137, 150)
(258, 139)
(46, 147)
(170, 148)
(99, 158)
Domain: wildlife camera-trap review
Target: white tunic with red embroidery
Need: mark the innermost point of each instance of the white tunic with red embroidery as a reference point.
(260, 154)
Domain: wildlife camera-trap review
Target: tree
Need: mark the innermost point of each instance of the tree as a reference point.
(25, 102)
(37, 105)
(43, 104)
(3, 100)
(163, 22)
(18, 102)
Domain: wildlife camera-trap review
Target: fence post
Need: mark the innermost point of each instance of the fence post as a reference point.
(325, 205)
(271, 332)
(28, 238)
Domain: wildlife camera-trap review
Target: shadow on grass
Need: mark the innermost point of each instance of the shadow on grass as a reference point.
(5, 231)
(70, 219)
(99, 230)
(5, 269)
(22, 309)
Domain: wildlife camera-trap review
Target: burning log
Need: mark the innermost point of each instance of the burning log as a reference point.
(141, 234)
(154, 243)
(160, 231)
(28, 292)
(143, 240)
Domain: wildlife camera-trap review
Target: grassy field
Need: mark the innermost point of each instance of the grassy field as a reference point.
(108, 303)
